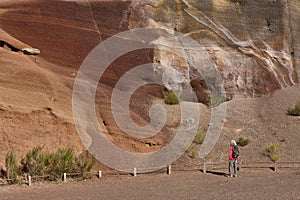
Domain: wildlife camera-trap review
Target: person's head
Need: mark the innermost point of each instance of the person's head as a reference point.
(232, 143)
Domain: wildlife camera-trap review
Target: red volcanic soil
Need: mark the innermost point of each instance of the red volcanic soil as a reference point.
(35, 101)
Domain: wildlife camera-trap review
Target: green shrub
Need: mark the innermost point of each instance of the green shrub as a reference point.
(243, 141)
(12, 170)
(274, 157)
(171, 98)
(192, 151)
(214, 100)
(199, 138)
(295, 110)
(273, 151)
(37, 162)
(41, 162)
(273, 147)
(85, 163)
(63, 161)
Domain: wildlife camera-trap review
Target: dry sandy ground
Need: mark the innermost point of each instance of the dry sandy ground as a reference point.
(261, 184)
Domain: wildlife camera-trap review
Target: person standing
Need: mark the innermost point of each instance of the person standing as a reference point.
(233, 155)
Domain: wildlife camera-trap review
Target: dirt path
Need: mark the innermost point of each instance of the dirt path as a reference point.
(180, 185)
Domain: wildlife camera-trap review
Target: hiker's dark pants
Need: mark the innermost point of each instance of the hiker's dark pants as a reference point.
(234, 164)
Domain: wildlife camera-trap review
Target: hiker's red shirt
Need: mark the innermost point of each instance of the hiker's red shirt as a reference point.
(230, 154)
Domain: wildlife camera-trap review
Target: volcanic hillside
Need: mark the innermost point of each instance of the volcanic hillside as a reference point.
(254, 44)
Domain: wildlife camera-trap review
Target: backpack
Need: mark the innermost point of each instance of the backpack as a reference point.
(235, 152)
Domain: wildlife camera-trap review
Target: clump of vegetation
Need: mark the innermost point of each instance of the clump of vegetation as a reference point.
(199, 138)
(273, 151)
(243, 141)
(36, 162)
(193, 150)
(85, 163)
(40, 162)
(171, 98)
(294, 110)
(12, 170)
(214, 100)
(62, 161)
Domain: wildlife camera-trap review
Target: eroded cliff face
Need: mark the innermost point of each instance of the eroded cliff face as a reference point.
(64, 31)
(252, 43)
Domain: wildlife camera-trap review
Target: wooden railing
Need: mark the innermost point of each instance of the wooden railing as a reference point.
(203, 167)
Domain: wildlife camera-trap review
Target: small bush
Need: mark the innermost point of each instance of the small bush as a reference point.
(41, 162)
(295, 110)
(213, 100)
(36, 162)
(63, 162)
(12, 170)
(171, 98)
(274, 157)
(199, 138)
(272, 151)
(85, 163)
(192, 151)
(243, 141)
(273, 147)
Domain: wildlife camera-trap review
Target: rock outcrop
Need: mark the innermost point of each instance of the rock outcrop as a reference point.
(31, 51)
(15, 45)
(253, 43)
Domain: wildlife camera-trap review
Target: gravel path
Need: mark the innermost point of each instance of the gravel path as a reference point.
(180, 185)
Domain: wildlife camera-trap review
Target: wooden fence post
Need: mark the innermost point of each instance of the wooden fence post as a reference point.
(169, 171)
(29, 180)
(204, 167)
(275, 166)
(134, 171)
(65, 177)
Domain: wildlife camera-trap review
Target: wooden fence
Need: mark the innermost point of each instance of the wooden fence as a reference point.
(203, 167)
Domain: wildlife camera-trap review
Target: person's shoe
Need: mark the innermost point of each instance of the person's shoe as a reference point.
(235, 175)
(230, 176)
